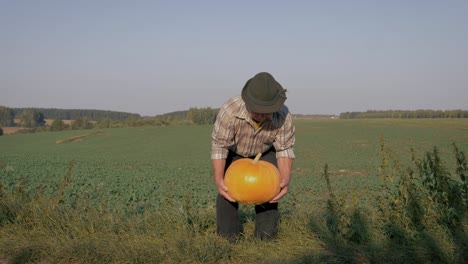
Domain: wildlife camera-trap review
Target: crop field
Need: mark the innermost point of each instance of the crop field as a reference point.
(134, 168)
(133, 171)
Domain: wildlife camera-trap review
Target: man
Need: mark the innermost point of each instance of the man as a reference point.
(257, 121)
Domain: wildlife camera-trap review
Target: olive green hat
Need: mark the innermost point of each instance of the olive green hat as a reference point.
(263, 94)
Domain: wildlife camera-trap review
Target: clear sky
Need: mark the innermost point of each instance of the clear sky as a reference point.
(155, 57)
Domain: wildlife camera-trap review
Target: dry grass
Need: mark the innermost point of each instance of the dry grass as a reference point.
(50, 121)
(78, 138)
(12, 130)
(40, 230)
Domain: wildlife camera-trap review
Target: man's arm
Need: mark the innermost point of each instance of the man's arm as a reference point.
(284, 167)
(218, 171)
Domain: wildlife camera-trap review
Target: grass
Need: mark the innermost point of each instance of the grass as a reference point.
(39, 229)
(78, 138)
(34, 228)
(137, 195)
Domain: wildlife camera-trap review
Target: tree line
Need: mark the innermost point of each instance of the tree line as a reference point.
(406, 114)
(34, 119)
(70, 114)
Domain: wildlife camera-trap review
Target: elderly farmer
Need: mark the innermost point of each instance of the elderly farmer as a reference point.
(255, 122)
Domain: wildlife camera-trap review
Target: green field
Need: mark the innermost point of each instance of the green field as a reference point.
(136, 167)
(131, 171)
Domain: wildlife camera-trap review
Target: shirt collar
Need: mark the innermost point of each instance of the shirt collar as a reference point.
(243, 113)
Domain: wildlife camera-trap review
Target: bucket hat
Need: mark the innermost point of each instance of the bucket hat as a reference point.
(263, 94)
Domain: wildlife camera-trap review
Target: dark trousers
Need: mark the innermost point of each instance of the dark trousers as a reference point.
(227, 213)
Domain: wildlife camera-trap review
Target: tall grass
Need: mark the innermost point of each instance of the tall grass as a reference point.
(419, 216)
(35, 227)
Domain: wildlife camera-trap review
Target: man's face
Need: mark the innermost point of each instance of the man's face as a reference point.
(259, 118)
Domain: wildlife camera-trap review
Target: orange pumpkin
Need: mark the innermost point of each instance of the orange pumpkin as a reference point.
(252, 181)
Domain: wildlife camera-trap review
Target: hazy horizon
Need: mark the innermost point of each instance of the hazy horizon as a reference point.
(185, 110)
(157, 57)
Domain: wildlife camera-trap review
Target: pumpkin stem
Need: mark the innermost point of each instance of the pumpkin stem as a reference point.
(257, 158)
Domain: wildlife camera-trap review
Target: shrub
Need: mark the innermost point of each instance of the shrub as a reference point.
(57, 125)
(423, 210)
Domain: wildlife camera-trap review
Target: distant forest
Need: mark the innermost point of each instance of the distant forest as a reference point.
(52, 119)
(406, 114)
(32, 120)
(70, 114)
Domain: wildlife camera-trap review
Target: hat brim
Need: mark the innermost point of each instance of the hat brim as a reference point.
(263, 107)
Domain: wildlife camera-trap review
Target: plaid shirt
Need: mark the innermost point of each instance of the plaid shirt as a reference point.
(234, 130)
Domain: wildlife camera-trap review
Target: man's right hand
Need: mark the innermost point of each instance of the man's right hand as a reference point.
(223, 191)
(218, 171)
